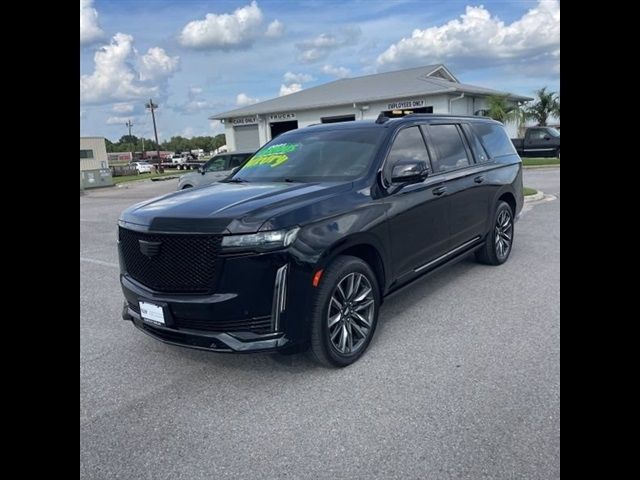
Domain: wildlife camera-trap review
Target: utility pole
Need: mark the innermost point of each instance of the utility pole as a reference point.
(130, 124)
(152, 106)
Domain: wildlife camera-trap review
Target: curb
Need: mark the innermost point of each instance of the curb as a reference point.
(540, 166)
(535, 197)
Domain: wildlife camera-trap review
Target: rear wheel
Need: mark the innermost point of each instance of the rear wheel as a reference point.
(345, 312)
(499, 241)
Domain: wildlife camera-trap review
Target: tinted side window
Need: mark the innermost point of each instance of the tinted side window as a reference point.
(408, 145)
(479, 152)
(451, 151)
(236, 160)
(215, 164)
(537, 134)
(495, 139)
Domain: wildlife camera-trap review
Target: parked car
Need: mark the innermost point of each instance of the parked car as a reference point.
(300, 247)
(214, 170)
(538, 142)
(143, 167)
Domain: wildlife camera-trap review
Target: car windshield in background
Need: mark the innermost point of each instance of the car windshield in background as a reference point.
(553, 131)
(334, 155)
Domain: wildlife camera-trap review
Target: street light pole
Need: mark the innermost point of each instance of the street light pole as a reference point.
(130, 124)
(152, 106)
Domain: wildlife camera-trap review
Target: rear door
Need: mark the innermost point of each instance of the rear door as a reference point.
(464, 182)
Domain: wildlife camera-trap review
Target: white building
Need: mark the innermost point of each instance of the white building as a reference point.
(429, 89)
(94, 164)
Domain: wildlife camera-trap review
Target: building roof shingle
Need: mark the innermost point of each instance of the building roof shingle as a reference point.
(368, 88)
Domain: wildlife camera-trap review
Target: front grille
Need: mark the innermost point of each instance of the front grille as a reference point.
(175, 263)
(259, 325)
(256, 325)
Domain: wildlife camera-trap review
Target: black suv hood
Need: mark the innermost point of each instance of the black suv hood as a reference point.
(232, 207)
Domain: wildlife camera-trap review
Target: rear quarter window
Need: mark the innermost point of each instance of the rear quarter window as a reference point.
(495, 139)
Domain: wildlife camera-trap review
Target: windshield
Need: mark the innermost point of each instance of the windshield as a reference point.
(304, 156)
(553, 131)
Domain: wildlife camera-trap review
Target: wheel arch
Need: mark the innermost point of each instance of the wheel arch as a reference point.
(368, 250)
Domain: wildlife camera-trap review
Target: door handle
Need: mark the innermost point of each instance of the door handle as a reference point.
(479, 179)
(439, 190)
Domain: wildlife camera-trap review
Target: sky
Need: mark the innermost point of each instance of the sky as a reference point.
(198, 58)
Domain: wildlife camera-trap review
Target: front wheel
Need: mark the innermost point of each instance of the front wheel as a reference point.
(499, 241)
(345, 312)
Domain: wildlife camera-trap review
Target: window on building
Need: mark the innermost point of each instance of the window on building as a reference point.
(450, 148)
(86, 153)
(494, 138)
(408, 145)
(339, 118)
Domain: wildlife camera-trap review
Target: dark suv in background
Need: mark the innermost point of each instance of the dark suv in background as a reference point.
(301, 245)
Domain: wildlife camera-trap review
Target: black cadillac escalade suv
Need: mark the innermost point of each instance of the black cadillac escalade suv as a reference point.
(301, 245)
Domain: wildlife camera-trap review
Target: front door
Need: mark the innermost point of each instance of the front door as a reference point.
(418, 213)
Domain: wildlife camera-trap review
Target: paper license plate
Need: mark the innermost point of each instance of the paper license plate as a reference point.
(152, 313)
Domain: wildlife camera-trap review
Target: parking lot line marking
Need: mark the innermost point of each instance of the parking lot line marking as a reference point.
(99, 262)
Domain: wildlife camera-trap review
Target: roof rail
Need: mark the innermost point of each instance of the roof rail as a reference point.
(382, 119)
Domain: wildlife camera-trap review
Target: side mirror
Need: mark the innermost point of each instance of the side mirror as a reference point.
(409, 171)
(547, 137)
(201, 170)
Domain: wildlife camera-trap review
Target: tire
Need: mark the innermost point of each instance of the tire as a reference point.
(558, 155)
(499, 242)
(334, 285)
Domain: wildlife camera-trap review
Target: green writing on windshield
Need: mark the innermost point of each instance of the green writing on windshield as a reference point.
(272, 156)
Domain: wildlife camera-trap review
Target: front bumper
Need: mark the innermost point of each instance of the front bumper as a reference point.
(260, 305)
(239, 342)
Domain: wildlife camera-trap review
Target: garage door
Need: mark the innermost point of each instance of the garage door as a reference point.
(247, 137)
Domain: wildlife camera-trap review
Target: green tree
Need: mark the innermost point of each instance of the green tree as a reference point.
(545, 105)
(503, 110)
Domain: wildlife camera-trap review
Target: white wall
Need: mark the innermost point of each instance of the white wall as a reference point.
(99, 147)
(440, 103)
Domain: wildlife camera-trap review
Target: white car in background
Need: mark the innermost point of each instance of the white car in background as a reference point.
(143, 167)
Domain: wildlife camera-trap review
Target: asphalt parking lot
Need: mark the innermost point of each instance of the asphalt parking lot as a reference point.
(462, 380)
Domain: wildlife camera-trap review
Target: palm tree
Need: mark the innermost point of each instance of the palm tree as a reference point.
(547, 103)
(500, 109)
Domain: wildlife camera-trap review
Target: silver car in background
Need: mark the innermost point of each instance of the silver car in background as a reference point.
(217, 168)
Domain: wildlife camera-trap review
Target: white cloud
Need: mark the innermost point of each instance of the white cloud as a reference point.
(478, 38)
(115, 77)
(319, 48)
(292, 88)
(117, 120)
(243, 100)
(83, 114)
(275, 29)
(340, 72)
(156, 64)
(216, 127)
(291, 77)
(224, 31)
(90, 30)
(195, 91)
(123, 108)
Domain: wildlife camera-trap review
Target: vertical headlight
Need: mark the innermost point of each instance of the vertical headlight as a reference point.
(261, 240)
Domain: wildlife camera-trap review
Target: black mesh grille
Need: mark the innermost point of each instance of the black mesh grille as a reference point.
(179, 263)
(255, 325)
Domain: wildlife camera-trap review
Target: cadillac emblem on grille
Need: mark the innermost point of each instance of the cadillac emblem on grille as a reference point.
(149, 249)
